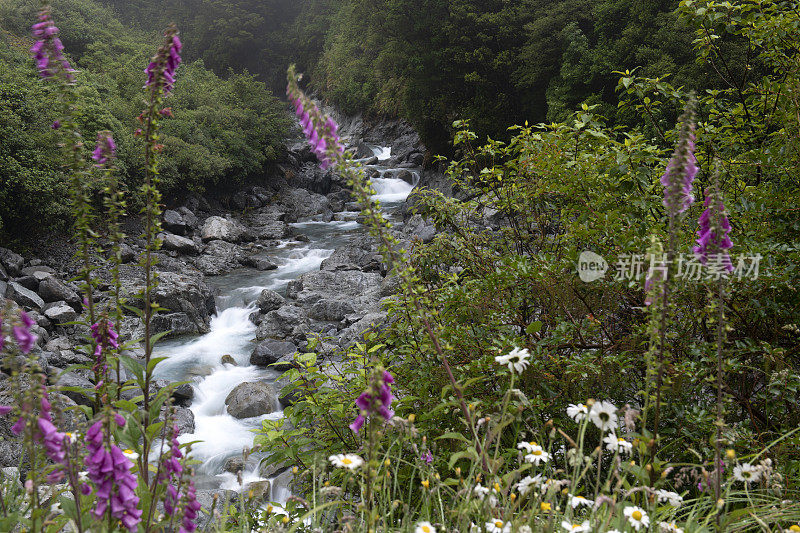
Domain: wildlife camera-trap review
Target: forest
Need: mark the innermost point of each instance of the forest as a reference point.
(499, 266)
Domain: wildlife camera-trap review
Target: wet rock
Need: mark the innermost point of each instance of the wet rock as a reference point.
(11, 261)
(251, 399)
(331, 310)
(234, 464)
(417, 159)
(228, 359)
(183, 394)
(271, 351)
(269, 300)
(301, 204)
(180, 244)
(24, 297)
(186, 294)
(362, 151)
(279, 324)
(222, 229)
(258, 492)
(184, 420)
(219, 257)
(54, 290)
(60, 312)
(175, 323)
(259, 263)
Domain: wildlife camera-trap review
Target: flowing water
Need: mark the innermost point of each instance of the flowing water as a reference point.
(198, 358)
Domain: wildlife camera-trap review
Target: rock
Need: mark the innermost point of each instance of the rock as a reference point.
(73, 379)
(219, 257)
(270, 351)
(183, 394)
(301, 204)
(361, 289)
(64, 358)
(355, 332)
(363, 151)
(11, 474)
(180, 244)
(258, 492)
(406, 176)
(418, 228)
(243, 200)
(186, 294)
(60, 312)
(175, 323)
(416, 159)
(3, 273)
(331, 310)
(234, 464)
(280, 323)
(184, 419)
(228, 359)
(259, 263)
(127, 254)
(360, 254)
(269, 300)
(24, 297)
(251, 399)
(29, 282)
(219, 228)
(11, 261)
(54, 290)
(212, 499)
(173, 221)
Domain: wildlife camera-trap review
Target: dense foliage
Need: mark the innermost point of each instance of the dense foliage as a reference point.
(223, 132)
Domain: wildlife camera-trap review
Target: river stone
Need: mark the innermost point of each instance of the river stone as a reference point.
(302, 204)
(331, 310)
(279, 324)
(184, 420)
(219, 228)
(29, 282)
(416, 159)
(251, 399)
(183, 394)
(73, 379)
(259, 263)
(175, 323)
(24, 297)
(54, 290)
(174, 222)
(234, 464)
(180, 244)
(187, 294)
(258, 492)
(11, 261)
(269, 300)
(60, 312)
(228, 359)
(270, 351)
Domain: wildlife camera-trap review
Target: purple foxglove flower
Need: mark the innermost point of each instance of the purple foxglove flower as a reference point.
(427, 457)
(161, 70)
(105, 149)
(379, 404)
(190, 509)
(4, 410)
(682, 168)
(48, 49)
(713, 240)
(25, 339)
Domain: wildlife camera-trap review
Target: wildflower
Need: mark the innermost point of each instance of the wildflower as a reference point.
(682, 168)
(425, 527)
(104, 150)
(56, 124)
(376, 400)
(576, 528)
(524, 485)
(190, 509)
(545, 507)
(110, 471)
(577, 501)
(130, 454)
(712, 237)
(320, 130)
(161, 70)
(537, 455)
(673, 498)
(498, 526)
(427, 457)
(637, 517)
(617, 444)
(747, 473)
(346, 460)
(527, 446)
(794, 528)
(48, 51)
(669, 527)
(485, 493)
(577, 412)
(604, 415)
(426, 483)
(516, 359)
(25, 339)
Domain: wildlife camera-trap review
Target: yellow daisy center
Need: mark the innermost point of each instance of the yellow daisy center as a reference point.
(347, 461)
(497, 487)
(620, 440)
(537, 452)
(426, 529)
(128, 451)
(498, 523)
(533, 443)
(545, 506)
(794, 527)
(636, 515)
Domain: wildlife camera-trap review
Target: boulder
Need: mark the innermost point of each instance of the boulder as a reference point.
(60, 312)
(331, 310)
(127, 254)
(180, 244)
(3, 273)
(186, 294)
(219, 257)
(280, 323)
(269, 300)
(251, 399)
(258, 492)
(11, 261)
(183, 394)
(184, 420)
(234, 464)
(222, 229)
(29, 282)
(189, 218)
(24, 297)
(73, 379)
(259, 263)
(416, 159)
(243, 200)
(228, 359)
(54, 290)
(270, 351)
(175, 323)
(355, 332)
(301, 204)
(173, 221)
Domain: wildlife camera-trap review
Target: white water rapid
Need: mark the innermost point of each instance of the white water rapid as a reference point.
(198, 358)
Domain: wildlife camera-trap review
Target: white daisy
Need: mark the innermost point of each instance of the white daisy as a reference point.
(516, 359)
(482, 492)
(83, 476)
(637, 517)
(577, 501)
(617, 444)
(346, 460)
(537, 455)
(747, 473)
(70, 437)
(669, 527)
(577, 411)
(524, 529)
(613, 531)
(130, 454)
(576, 528)
(498, 526)
(794, 528)
(604, 415)
(525, 484)
(673, 498)
(425, 527)
(527, 446)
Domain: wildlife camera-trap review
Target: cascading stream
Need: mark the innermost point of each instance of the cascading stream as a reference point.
(198, 359)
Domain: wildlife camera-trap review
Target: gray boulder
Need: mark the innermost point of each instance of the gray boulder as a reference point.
(11, 261)
(175, 323)
(259, 263)
(280, 323)
(331, 310)
(271, 351)
(180, 244)
(251, 399)
(24, 297)
(54, 290)
(184, 420)
(219, 257)
(269, 300)
(186, 294)
(174, 222)
(302, 204)
(29, 282)
(223, 229)
(73, 379)
(60, 313)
